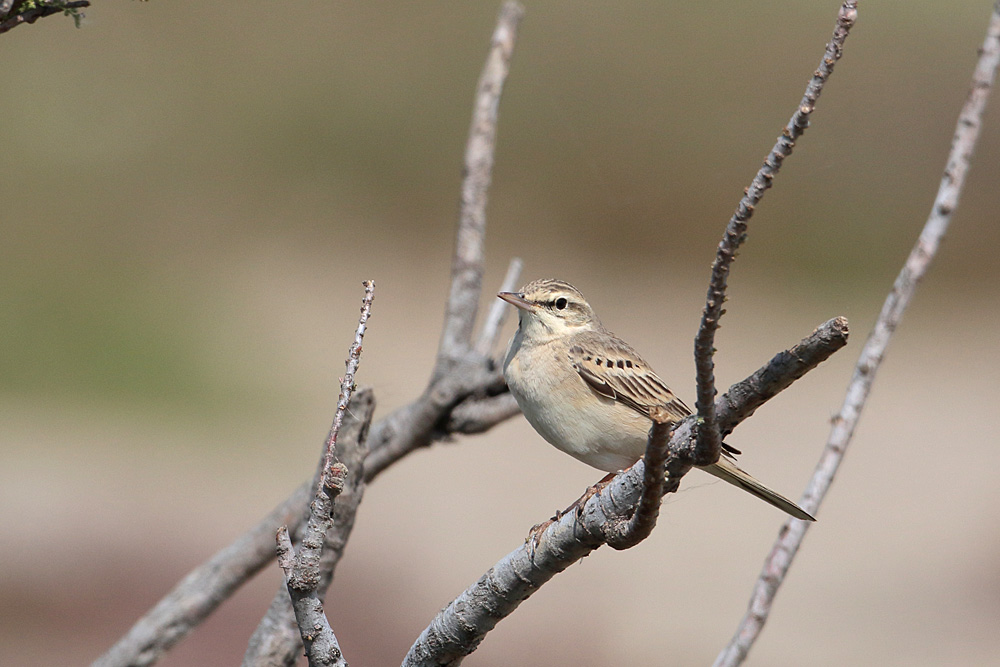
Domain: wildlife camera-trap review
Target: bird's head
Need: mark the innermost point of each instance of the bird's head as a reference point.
(551, 308)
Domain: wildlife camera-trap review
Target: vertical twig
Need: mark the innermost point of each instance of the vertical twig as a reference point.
(709, 439)
(302, 574)
(792, 533)
(490, 333)
(302, 568)
(467, 262)
(417, 424)
(627, 534)
(347, 382)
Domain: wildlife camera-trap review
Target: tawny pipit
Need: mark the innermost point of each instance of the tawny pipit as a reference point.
(588, 392)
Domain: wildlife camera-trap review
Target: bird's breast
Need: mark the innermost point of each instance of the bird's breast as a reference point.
(556, 401)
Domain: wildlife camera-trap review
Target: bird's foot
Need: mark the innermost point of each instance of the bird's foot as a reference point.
(590, 493)
(536, 532)
(577, 507)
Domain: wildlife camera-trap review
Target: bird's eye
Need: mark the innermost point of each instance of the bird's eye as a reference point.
(561, 303)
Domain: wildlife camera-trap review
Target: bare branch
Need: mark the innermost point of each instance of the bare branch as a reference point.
(302, 573)
(459, 628)
(781, 371)
(479, 416)
(302, 568)
(347, 382)
(196, 596)
(467, 262)
(425, 420)
(792, 533)
(276, 640)
(709, 437)
(41, 11)
(489, 336)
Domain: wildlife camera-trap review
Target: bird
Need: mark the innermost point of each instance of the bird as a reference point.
(588, 393)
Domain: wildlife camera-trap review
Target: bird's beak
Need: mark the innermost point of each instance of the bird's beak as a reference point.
(517, 299)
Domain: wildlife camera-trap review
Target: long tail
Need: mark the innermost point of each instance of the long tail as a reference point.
(728, 471)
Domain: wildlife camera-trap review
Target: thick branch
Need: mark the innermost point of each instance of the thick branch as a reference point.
(709, 437)
(467, 262)
(778, 562)
(459, 628)
(478, 416)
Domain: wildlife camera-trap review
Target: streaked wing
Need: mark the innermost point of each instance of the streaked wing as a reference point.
(613, 369)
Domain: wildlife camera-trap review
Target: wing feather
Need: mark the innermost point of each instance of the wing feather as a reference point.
(614, 370)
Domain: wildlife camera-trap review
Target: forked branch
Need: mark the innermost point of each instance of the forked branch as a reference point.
(465, 395)
(779, 560)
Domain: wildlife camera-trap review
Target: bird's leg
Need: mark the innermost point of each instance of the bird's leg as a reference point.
(577, 506)
(589, 493)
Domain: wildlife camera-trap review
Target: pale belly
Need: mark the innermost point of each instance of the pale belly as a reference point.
(559, 405)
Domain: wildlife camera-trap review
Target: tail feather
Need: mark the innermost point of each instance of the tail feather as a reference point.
(727, 470)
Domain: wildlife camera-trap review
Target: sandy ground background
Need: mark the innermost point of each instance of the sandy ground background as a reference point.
(192, 193)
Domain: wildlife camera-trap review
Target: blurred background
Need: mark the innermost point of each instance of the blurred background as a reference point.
(193, 192)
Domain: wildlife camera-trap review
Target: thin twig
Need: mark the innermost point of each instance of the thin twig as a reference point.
(709, 438)
(459, 628)
(467, 262)
(41, 11)
(793, 532)
(627, 534)
(490, 333)
(347, 382)
(302, 567)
